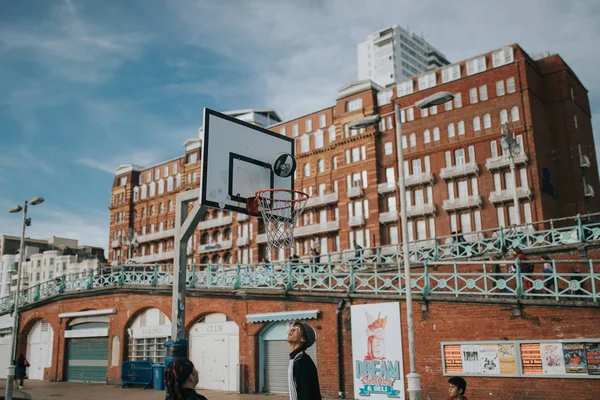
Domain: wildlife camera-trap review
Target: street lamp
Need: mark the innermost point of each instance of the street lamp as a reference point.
(511, 146)
(414, 380)
(26, 222)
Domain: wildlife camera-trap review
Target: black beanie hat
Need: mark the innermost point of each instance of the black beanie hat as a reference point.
(307, 332)
(459, 382)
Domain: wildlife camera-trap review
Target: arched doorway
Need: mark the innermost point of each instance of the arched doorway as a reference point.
(147, 334)
(86, 355)
(39, 349)
(214, 350)
(274, 358)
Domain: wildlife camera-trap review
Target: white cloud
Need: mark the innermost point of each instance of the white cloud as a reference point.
(22, 158)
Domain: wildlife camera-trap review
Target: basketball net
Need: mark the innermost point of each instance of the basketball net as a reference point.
(280, 209)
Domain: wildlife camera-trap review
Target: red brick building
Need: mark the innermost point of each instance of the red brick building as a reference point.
(457, 178)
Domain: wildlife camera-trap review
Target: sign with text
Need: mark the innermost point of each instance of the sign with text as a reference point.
(377, 351)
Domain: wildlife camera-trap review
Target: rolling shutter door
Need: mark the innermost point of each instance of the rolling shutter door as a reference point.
(277, 358)
(87, 359)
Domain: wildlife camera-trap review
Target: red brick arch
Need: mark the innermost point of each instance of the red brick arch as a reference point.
(194, 318)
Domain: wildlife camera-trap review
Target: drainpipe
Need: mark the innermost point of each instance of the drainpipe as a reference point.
(340, 349)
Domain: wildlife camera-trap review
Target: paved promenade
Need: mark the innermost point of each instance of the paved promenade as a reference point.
(41, 390)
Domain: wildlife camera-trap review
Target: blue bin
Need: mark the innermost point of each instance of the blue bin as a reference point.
(158, 372)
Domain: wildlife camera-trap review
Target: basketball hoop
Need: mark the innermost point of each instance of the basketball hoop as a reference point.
(279, 209)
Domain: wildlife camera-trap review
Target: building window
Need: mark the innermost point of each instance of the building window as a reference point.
(123, 181)
(502, 57)
(318, 139)
(427, 81)
(503, 116)
(510, 85)
(500, 88)
(404, 144)
(384, 97)
(148, 349)
(390, 123)
(387, 148)
(451, 73)
(307, 169)
(570, 89)
(487, 121)
(410, 114)
(514, 114)
(575, 121)
(457, 100)
(295, 130)
(461, 127)
(322, 121)
(404, 88)
(448, 106)
(424, 112)
(305, 143)
(433, 110)
(476, 124)
(476, 65)
(282, 131)
(321, 165)
(308, 125)
(436, 134)
(354, 105)
(334, 162)
(450, 130)
(473, 95)
(426, 136)
(413, 140)
(192, 158)
(483, 93)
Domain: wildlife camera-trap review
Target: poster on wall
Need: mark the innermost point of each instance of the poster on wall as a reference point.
(531, 357)
(592, 354)
(377, 351)
(507, 357)
(552, 358)
(470, 359)
(488, 357)
(575, 358)
(453, 359)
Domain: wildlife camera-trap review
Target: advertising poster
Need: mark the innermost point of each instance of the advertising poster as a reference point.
(592, 353)
(453, 359)
(531, 358)
(470, 358)
(552, 358)
(489, 360)
(575, 360)
(508, 360)
(377, 351)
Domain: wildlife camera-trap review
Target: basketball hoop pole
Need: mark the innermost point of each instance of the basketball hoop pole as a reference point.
(184, 228)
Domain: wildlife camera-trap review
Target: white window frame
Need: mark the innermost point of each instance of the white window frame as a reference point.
(500, 91)
(319, 142)
(388, 148)
(514, 114)
(483, 95)
(305, 143)
(503, 116)
(436, 134)
(487, 121)
(475, 65)
(354, 104)
(405, 88)
(427, 81)
(451, 132)
(451, 73)
(308, 125)
(473, 96)
(282, 131)
(502, 57)
(295, 130)
(457, 100)
(322, 120)
(510, 85)
(426, 136)
(321, 166)
(476, 124)
(461, 127)
(413, 140)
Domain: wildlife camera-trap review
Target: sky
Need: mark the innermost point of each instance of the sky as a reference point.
(88, 85)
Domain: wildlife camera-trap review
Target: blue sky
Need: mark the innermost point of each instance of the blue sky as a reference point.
(88, 85)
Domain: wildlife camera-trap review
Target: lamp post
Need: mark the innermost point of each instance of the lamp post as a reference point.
(510, 145)
(414, 380)
(13, 355)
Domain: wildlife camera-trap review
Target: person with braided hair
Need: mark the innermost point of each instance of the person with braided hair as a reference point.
(181, 378)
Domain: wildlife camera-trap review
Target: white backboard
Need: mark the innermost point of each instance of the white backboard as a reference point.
(236, 161)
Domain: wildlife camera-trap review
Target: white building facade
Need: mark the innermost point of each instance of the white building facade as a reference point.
(394, 54)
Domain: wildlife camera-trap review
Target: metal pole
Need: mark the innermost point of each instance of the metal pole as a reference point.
(10, 378)
(414, 380)
(515, 193)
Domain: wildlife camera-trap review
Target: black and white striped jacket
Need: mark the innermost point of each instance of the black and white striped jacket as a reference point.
(303, 379)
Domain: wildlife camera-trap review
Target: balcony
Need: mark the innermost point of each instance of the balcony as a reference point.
(357, 220)
(242, 241)
(390, 216)
(588, 190)
(419, 210)
(167, 255)
(212, 223)
(418, 179)
(242, 217)
(384, 39)
(504, 161)
(156, 235)
(386, 187)
(207, 248)
(322, 200)
(500, 196)
(459, 170)
(462, 203)
(115, 243)
(355, 191)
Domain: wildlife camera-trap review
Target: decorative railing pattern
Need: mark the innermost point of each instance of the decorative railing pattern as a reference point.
(440, 268)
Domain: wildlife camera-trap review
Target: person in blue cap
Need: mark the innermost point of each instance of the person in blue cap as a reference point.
(303, 378)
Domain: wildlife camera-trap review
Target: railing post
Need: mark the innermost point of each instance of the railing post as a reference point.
(193, 277)
(502, 241)
(436, 257)
(209, 278)
(426, 286)
(90, 284)
(593, 281)
(122, 276)
(36, 297)
(519, 285)
(154, 281)
(555, 279)
(351, 286)
(62, 286)
(289, 285)
(580, 229)
(238, 279)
